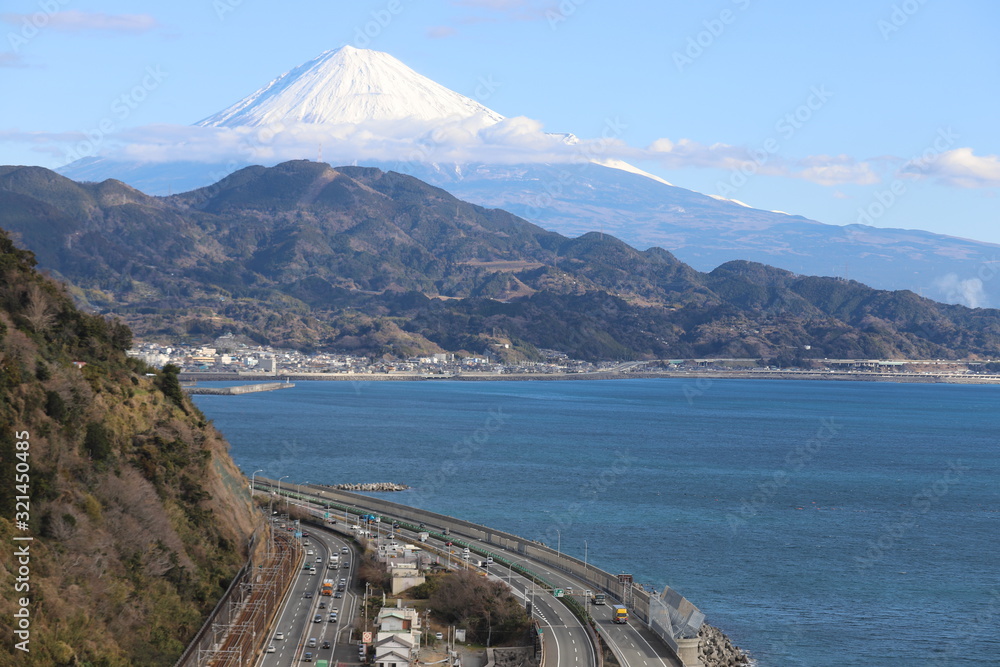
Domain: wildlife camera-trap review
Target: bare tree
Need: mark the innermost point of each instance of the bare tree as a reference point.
(38, 309)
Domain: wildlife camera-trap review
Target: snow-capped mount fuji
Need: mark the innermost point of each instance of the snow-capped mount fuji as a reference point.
(350, 85)
(347, 95)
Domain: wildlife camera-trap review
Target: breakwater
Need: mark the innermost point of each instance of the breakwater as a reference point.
(239, 389)
(372, 486)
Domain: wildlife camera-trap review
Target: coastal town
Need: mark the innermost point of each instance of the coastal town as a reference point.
(228, 358)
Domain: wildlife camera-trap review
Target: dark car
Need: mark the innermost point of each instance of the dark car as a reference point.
(317, 618)
(322, 605)
(308, 657)
(326, 644)
(338, 594)
(307, 594)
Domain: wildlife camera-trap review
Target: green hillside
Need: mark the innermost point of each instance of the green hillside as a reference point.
(138, 518)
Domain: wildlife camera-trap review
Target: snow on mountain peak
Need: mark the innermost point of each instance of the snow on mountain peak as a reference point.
(349, 85)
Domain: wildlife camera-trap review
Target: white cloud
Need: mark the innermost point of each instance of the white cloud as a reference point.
(821, 169)
(835, 170)
(76, 21)
(960, 167)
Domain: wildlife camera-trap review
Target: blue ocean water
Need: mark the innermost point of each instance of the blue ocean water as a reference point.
(817, 523)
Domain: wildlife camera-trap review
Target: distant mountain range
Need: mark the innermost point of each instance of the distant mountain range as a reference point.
(354, 258)
(345, 87)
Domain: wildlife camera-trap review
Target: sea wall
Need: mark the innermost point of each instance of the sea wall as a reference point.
(489, 539)
(239, 389)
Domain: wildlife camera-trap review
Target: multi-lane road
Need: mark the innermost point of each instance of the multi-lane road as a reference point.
(566, 641)
(633, 644)
(296, 631)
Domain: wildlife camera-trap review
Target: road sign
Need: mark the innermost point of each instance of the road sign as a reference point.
(366, 637)
(557, 592)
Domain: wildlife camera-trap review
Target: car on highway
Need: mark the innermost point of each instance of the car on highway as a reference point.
(319, 559)
(311, 643)
(271, 649)
(322, 605)
(318, 618)
(308, 657)
(278, 636)
(326, 644)
(307, 594)
(344, 550)
(346, 565)
(312, 570)
(333, 617)
(338, 594)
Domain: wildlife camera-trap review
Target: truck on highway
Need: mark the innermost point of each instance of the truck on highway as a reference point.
(621, 615)
(599, 598)
(327, 587)
(424, 536)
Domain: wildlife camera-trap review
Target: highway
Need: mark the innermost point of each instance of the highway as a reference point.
(634, 644)
(565, 640)
(295, 621)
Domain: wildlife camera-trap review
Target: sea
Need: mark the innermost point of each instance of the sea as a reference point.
(817, 523)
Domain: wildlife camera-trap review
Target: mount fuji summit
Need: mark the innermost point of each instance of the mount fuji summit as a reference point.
(365, 107)
(349, 85)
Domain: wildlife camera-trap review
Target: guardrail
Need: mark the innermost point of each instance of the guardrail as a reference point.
(683, 647)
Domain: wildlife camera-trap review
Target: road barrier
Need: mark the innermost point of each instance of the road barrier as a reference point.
(674, 619)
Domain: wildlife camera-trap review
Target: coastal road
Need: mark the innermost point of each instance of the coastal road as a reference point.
(295, 619)
(566, 642)
(634, 644)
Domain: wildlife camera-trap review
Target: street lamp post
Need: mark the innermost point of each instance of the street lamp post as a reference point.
(279, 489)
(251, 479)
(585, 556)
(558, 543)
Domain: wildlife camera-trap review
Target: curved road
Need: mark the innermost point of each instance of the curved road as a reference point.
(566, 642)
(634, 644)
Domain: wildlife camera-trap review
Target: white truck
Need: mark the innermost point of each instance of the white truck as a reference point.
(424, 537)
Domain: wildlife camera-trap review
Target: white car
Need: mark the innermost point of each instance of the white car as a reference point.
(278, 636)
(271, 649)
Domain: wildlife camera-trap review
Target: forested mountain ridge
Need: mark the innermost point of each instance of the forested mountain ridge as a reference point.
(360, 260)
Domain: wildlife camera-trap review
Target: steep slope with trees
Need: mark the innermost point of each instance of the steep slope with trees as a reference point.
(138, 516)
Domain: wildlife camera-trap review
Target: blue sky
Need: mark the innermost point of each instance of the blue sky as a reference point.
(823, 106)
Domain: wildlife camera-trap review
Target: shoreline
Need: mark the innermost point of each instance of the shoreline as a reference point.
(905, 378)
